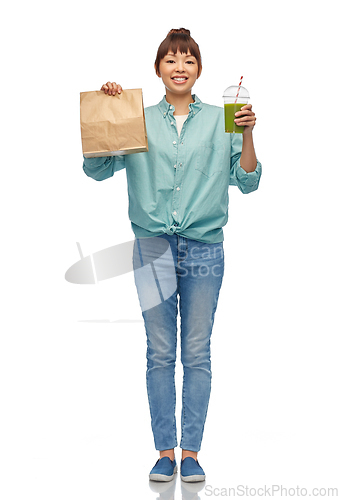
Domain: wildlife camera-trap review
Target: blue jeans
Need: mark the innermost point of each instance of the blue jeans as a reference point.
(198, 270)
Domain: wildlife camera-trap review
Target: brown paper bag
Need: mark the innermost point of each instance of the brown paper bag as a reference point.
(112, 125)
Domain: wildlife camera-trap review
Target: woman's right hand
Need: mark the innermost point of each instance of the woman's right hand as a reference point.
(111, 88)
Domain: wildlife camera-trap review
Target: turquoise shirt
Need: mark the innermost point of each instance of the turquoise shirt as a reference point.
(180, 186)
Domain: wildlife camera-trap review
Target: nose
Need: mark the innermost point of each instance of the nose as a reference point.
(180, 67)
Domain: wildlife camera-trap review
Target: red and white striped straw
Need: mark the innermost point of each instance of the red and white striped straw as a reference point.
(236, 98)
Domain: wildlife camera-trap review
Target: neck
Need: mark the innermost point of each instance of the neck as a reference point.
(180, 102)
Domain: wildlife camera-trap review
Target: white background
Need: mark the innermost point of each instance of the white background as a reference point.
(74, 413)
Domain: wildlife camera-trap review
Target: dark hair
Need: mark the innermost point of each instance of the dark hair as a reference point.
(178, 39)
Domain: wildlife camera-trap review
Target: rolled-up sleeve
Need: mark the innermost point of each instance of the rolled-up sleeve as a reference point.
(246, 181)
(102, 168)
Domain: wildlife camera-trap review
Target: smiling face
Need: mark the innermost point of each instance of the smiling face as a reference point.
(179, 72)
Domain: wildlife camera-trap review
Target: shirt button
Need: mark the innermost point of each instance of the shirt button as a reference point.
(164, 114)
(175, 166)
(178, 188)
(174, 213)
(171, 107)
(174, 142)
(172, 123)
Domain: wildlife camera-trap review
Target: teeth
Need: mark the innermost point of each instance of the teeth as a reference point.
(179, 79)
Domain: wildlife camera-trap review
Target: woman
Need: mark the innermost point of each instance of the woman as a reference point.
(178, 192)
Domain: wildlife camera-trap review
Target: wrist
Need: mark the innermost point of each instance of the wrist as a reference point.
(247, 132)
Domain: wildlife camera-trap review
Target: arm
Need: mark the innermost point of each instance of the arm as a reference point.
(248, 160)
(103, 167)
(245, 168)
(246, 118)
(246, 181)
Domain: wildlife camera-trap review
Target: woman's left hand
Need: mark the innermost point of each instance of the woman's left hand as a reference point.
(245, 117)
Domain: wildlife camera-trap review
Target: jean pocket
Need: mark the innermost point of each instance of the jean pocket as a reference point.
(210, 158)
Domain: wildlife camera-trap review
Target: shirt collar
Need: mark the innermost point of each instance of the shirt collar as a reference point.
(166, 108)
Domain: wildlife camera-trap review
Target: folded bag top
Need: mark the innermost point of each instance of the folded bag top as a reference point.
(112, 125)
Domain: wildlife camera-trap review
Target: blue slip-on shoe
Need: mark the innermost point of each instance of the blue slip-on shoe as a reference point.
(190, 471)
(164, 470)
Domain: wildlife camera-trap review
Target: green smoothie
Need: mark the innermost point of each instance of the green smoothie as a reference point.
(230, 110)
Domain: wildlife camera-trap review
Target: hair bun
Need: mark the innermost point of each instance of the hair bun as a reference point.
(180, 31)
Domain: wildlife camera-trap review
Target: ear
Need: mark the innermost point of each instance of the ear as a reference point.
(157, 72)
(199, 73)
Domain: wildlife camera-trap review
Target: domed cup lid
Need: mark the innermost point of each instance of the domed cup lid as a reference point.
(233, 90)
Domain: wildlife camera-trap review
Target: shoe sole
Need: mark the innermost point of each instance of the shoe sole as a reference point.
(163, 477)
(193, 479)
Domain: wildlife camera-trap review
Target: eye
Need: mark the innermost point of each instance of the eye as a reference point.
(170, 61)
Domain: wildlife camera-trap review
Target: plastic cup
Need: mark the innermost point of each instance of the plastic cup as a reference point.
(233, 104)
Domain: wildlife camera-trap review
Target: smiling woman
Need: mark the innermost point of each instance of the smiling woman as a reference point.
(178, 64)
(179, 73)
(178, 40)
(178, 191)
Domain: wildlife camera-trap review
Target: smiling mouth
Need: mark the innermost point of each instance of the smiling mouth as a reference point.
(179, 78)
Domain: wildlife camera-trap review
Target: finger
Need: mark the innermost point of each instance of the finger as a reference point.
(248, 116)
(244, 113)
(106, 87)
(110, 87)
(246, 122)
(245, 118)
(247, 109)
(116, 88)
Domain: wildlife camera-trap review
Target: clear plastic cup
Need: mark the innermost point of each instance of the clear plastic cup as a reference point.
(231, 107)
